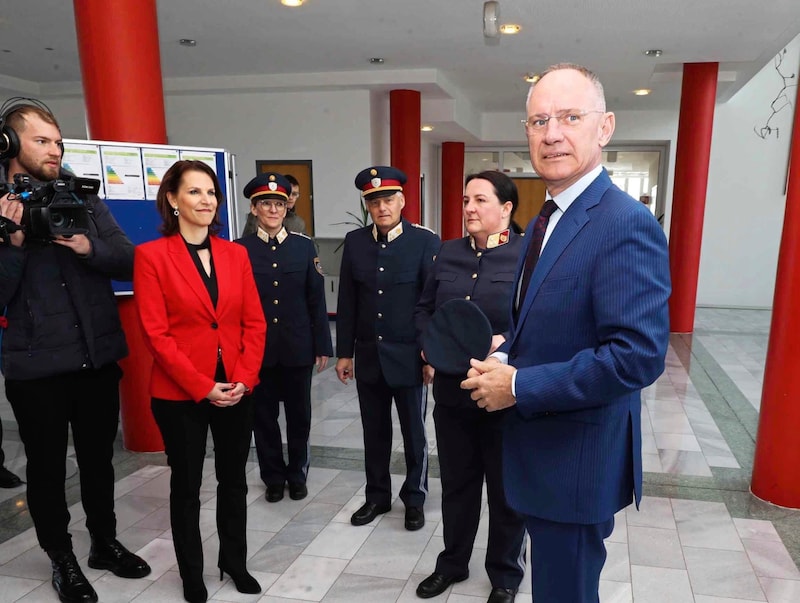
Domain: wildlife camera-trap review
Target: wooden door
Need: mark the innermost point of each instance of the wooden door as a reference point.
(302, 171)
(531, 198)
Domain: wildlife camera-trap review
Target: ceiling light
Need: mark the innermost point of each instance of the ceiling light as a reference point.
(510, 29)
(187, 42)
(292, 2)
(377, 61)
(653, 52)
(642, 91)
(427, 128)
(531, 78)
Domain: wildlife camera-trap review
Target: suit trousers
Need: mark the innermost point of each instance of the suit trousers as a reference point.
(45, 408)
(566, 559)
(470, 445)
(375, 401)
(184, 426)
(292, 384)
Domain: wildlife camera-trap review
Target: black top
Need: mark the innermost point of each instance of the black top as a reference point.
(209, 280)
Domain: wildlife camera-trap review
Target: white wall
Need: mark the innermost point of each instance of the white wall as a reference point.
(746, 199)
(332, 129)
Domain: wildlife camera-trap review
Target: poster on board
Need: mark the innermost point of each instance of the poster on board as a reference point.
(156, 162)
(83, 160)
(123, 175)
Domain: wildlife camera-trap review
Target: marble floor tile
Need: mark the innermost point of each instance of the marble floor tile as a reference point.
(722, 573)
(781, 591)
(660, 585)
(706, 525)
(338, 540)
(655, 547)
(308, 578)
(770, 559)
(351, 588)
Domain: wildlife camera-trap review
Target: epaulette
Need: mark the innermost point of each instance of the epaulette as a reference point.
(301, 234)
(423, 228)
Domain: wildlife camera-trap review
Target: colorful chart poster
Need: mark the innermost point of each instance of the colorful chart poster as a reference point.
(83, 160)
(122, 172)
(156, 162)
(207, 157)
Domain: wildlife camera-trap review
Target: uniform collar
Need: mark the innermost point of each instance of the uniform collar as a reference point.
(494, 240)
(391, 235)
(280, 237)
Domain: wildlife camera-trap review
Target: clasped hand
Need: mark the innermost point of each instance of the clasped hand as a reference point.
(226, 394)
(490, 382)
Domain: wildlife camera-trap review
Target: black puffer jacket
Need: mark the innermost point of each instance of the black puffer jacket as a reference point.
(61, 311)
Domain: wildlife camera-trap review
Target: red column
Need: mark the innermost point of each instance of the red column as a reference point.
(698, 97)
(777, 457)
(121, 72)
(452, 190)
(406, 145)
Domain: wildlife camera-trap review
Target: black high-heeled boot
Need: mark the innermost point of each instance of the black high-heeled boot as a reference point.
(245, 583)
(194, 590)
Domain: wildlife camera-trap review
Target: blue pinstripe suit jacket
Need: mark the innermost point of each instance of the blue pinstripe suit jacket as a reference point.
(592, 332)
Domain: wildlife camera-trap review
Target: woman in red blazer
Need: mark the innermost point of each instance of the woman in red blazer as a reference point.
(202, 320)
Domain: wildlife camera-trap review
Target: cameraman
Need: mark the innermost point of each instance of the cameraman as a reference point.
(59, 358)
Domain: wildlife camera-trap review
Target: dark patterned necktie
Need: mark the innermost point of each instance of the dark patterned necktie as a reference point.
(535, 248)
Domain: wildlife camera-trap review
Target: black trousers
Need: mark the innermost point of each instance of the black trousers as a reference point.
(470, 445)
(292, 384)
(375, 401)
(88, 401)
(184, 427)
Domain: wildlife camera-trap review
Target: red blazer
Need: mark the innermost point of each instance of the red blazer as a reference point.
(180, 325)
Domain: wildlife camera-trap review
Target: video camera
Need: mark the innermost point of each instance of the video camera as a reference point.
(50, 209)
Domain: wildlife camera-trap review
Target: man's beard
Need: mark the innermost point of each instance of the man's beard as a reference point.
(41, 173)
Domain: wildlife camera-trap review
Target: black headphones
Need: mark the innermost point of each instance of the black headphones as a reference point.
(9, 139)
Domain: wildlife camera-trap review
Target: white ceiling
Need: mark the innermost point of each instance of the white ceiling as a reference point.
(436, 46)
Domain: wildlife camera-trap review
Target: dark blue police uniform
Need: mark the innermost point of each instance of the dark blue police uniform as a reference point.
(291, 287)
(380, 282)
(469, 439)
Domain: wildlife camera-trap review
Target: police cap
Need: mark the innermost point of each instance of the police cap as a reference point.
(380, 181)
(456, 332)
(269, 185)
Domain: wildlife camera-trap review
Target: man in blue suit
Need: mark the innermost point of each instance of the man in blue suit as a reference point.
(590, 329)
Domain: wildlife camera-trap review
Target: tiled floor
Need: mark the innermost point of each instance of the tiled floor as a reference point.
(700, 536)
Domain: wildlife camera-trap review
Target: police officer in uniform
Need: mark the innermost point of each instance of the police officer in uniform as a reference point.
(291, 287)
(480, 268)
(384, 267)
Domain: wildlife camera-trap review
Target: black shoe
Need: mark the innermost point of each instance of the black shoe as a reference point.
(245, 583)
(436, 584)
(274, 492)
(297, 491)
(68, 579)
(415, 518)
(194, 591)
(502, 595)
(8, 479)
(367, 513)
(109, 554)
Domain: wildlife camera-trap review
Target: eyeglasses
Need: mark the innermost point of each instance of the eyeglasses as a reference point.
(571, 118)
(294, 195)
(271, 204)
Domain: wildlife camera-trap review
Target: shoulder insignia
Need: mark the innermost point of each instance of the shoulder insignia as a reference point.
(301, 234)
(318, 266)
(423, 228)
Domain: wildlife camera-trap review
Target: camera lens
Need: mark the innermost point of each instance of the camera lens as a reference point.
(57, 219)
